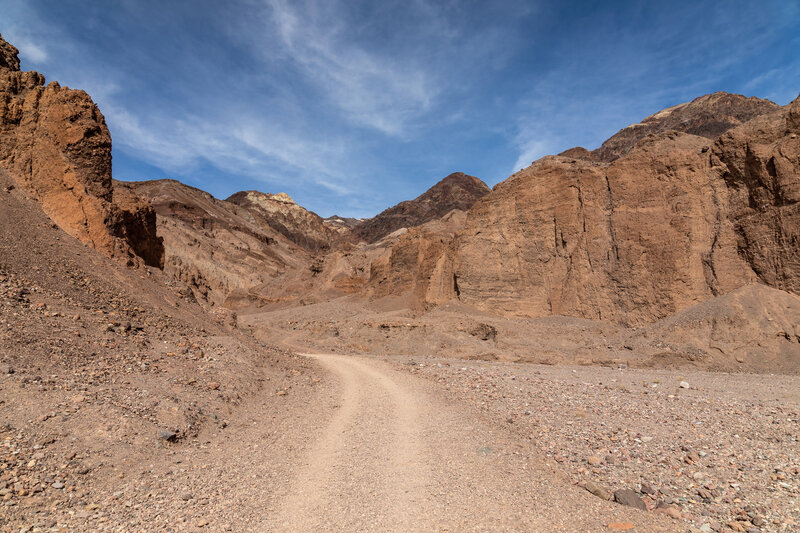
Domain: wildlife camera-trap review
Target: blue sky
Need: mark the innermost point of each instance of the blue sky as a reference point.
(352, 106)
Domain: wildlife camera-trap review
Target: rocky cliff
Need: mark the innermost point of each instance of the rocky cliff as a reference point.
(675, 221)
(216, 247)
(759, 164)
(55, 144)
(456, 191)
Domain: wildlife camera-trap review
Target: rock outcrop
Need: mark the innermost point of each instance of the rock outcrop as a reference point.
(672, 223)
(341, 225)
(55, 144)
(217, 248)
(760, 165)
(300, 226)
(418, 263)
(708, 116)
(456, 191)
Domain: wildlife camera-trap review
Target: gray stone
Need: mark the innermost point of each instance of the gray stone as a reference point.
(629, 498)
(169, 435)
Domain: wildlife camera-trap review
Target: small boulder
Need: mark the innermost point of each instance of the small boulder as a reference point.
(169, 435)
(629, 498)
(484, 332)
(647, 488)
(598, 490)
(668, 510)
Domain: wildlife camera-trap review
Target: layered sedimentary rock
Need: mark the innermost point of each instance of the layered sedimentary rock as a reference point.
(54, 142)
(218, 248)
(672, 223)
(341, 225)
(300, 226)
(456, 191)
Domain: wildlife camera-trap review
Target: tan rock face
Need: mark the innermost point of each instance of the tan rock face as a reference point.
(55, 143)
(418, 263)
(670, 224)
(302, 227)
(233, 253)
(760, 164)
(631, 241)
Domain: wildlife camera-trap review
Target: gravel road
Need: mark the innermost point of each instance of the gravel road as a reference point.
(395, 456)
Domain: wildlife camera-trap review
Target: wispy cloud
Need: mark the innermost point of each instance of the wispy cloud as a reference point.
(352, 105)
(618, 73)
(386, 92)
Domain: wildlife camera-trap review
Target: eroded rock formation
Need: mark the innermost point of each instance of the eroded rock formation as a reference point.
(302, 227)
(672, 223)
(218, 248)
(707, 116)
(760, 165)
(54, 142)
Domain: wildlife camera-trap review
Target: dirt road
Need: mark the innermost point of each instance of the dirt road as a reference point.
(397, 457)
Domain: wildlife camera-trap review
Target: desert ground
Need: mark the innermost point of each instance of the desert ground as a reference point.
(607, 340)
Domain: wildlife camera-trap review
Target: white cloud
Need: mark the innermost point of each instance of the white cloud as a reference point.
(374, 90)
(22, 36)
(29, 51)
(530, 151)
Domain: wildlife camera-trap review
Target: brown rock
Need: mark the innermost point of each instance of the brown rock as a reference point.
(456, 191)
(708, 116)
(221, 250)
(758, 162)
(9, 56)
(669, 224)
(630, 242)
(300, 226)
(598, 490)
(594, 460)
(54, 142)
(668, 510)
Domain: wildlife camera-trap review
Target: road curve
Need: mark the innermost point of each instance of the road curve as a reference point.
(395, 456)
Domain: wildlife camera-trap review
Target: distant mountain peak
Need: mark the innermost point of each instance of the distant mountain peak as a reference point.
(456, 191)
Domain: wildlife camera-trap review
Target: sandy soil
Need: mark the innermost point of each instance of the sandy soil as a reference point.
(395, 456)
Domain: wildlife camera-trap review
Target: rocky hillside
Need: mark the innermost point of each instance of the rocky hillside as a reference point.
(341, 224)
(708, 116)
(217, 248)
(55, 144)
(456, 191)
(104, 369)
(302, 227)
(675, 221)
